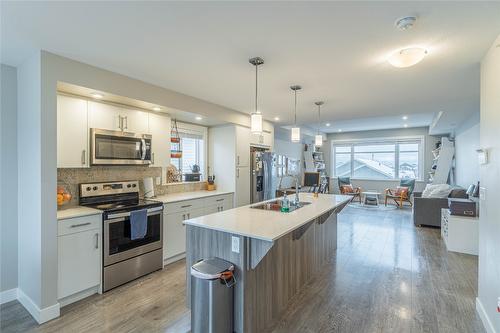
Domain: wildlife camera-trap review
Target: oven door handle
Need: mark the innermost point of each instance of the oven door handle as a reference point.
(151, 211)
(143, 148)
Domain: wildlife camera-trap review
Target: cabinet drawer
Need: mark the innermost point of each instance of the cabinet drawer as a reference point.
(79, 224)
(180, 206)
(218, 200)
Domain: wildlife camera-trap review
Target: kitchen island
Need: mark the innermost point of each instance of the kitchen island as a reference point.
(275, 254)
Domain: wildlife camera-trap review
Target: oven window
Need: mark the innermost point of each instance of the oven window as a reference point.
(110, 147)
(119, 234)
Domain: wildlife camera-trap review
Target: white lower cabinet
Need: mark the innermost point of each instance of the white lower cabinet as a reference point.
(174, 231)
(79, 257)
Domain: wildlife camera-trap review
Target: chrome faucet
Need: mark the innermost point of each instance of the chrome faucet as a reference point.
(297, 199)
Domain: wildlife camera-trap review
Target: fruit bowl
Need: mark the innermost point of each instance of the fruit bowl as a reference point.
(63, 196)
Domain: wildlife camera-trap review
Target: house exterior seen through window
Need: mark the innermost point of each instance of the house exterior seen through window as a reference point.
(378, 159)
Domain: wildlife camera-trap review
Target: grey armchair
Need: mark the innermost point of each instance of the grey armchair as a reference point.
(427, 211)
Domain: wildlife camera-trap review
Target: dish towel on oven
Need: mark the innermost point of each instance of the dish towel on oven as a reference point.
(138, 224)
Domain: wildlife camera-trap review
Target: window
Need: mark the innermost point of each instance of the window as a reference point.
(378, 159)
(193, 146)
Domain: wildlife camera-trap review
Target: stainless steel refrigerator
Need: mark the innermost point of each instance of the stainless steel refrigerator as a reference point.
(264, 176)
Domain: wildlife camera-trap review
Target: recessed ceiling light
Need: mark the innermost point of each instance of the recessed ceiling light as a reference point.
(96, 95)
(198, 118)
(276, 118)
(407, 57)
(156, 108)
(327, 124)
(406, 23)
(405, 125)
(405, 117)
(340, 130)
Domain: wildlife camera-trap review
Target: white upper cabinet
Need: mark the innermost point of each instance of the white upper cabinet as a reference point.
(135, 121)
(72, 133)
(159, 128)
(104, 116)
(242, 146)
(111, 117)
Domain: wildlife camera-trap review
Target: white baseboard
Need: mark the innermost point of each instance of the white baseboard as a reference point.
(484, 317)
(79, 296)
(173, 259)
(40, 315)
(8, 295)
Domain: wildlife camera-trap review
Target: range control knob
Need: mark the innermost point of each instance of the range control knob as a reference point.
(134, 185)
(95, 188)
(128, 185)
(88, 188)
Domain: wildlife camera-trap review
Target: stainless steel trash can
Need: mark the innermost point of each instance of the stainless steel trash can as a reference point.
(212, 284)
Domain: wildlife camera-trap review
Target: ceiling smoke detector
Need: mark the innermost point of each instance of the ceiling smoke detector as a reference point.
(406, 23)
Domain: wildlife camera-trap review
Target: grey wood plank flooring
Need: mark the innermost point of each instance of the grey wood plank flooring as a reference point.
(386, 276)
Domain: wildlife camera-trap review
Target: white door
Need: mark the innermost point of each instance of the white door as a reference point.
(242, 186)
(135, 121)
(72, 132)
(242, 146)
(174, 234)
(159, 128)
(104, 116)
(79, 258)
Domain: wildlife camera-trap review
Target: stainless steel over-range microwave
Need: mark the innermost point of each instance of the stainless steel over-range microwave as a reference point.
(119, 148)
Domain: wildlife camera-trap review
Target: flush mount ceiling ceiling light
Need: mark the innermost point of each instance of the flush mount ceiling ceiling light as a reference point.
(406, 23)
(407, 57)
(318, 139)
(156, 108)
(295, 129)
(256, 116)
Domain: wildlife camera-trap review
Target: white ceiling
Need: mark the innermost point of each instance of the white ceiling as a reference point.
(335, 50)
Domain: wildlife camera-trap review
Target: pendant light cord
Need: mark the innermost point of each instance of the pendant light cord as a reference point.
(319, 117)
(256, 87)
(295, 122)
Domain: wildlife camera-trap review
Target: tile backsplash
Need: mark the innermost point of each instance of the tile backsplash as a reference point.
(71, 177)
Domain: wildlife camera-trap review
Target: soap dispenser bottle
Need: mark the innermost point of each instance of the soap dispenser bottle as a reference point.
(285, 204)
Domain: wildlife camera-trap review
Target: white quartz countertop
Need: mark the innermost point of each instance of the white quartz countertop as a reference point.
(182, 196)
(268, 225)
(76, 211)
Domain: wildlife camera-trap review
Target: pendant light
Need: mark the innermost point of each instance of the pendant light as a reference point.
(295, 128)
(256, 116)
(318, 139)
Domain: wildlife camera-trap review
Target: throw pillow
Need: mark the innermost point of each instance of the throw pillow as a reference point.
(401, 191)
(347, 189)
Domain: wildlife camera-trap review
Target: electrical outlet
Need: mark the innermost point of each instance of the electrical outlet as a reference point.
(235, 244)
(158, 181)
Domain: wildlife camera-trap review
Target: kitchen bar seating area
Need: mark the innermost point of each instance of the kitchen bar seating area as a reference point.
(207, 167)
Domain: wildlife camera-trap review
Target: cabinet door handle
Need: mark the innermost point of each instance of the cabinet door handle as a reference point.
(96, 240)
(238, 160)
(186, 206)
(237, 173)
(120, 122)
(79, 225)
(189, 216)
(221, 209)
(152, 158)
(126, 122)
(183, 217)
(219, 200)
(84, 157)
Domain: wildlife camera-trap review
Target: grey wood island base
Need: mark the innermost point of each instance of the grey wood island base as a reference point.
(268, 272)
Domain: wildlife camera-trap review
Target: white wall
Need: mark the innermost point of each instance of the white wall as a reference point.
(489, 225)
(380, 185)
(8, 195)
(466, 144)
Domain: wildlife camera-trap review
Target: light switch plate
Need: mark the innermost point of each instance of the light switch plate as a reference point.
(235, 244)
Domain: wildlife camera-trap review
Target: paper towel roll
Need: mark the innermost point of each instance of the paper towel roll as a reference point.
(149, 190)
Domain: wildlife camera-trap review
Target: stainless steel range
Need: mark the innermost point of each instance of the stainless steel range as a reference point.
(125, 257)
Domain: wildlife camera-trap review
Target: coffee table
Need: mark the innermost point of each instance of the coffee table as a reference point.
(370, 196)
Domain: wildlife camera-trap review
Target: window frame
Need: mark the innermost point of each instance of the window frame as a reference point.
(397, 141)
(187, 128)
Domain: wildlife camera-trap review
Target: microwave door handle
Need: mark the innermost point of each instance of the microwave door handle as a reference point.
(143, 147)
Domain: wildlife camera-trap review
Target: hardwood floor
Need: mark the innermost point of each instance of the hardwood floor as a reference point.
(386, 276)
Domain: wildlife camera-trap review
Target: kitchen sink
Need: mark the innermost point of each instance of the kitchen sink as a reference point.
(276, 205)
